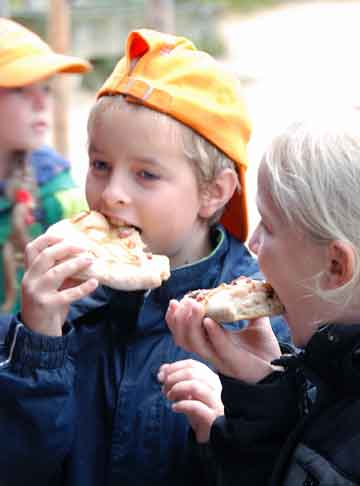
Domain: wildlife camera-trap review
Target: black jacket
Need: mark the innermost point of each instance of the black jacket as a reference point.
(297, 428)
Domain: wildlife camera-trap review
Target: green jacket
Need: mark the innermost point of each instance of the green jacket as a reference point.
(58, 197)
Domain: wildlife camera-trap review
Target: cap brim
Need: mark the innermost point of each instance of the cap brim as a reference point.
(235, 217)
(31, 69)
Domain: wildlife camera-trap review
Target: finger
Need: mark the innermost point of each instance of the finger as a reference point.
(38, 284)
(170, 313)
(195, 409)
(80, 291)
(189, 332)
(167, 369)
(233, 359)
(177, 318)
(201, 373)
(221, 343)
(51, 255)
(195, 390)
(259, 323)
(58, 274)
(35, 247)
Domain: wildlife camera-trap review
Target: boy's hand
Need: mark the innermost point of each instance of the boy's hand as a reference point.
(196, 392)
(47, 288)
(245, 355)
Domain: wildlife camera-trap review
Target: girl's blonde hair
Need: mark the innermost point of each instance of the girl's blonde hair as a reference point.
(313, 176)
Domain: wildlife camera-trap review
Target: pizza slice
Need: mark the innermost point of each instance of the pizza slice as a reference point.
(119, 259)
(243, 298)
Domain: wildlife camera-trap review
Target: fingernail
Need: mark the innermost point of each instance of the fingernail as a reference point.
(88, 258)
(161, 376)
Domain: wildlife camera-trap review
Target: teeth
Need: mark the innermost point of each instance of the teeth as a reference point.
(119, 222)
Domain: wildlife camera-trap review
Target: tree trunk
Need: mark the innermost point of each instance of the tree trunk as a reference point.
(160, 15)
(59, 26)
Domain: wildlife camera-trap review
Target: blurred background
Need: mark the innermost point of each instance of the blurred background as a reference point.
(290, 56)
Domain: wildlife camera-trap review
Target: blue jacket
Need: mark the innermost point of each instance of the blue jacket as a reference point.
(86, 409)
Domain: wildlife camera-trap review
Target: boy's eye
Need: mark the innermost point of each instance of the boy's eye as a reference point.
(148, 176)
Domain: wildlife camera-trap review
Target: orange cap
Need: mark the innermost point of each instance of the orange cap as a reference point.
(168, 74)
(25, 58)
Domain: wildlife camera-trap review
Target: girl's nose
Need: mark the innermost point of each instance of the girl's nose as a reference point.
(254, 241)
(40, 97)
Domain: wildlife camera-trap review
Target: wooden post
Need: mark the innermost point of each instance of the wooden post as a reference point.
(59, 27)
(160, 15)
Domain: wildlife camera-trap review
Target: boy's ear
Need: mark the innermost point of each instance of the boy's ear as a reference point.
(340, 264)
(216, 194)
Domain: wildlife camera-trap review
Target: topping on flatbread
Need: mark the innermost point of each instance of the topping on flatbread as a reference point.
(118, 252)
(243, 298)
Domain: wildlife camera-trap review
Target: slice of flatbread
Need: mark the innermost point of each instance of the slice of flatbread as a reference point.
(243, 298)
(120, 261)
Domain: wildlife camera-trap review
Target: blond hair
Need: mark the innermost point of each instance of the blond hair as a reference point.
(313, 177)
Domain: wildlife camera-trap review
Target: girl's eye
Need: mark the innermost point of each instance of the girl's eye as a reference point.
(47, 88)
(20, 89)
(99, 165)
(148, 176)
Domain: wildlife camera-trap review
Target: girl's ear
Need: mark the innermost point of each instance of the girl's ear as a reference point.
(217, 194)
(340, 264)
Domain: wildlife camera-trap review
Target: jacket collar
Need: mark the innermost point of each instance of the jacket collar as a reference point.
(229, 259)
(333, 353)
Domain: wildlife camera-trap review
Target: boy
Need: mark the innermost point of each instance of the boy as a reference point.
(166, 139)
(36, 186)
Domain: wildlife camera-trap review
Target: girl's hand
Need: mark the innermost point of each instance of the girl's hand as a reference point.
(244, 354)
(196, 392)
(47, 287)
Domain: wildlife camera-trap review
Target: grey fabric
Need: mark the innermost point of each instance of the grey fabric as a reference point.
(310, 468)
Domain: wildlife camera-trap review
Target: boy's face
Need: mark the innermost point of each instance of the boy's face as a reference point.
(24, 116)
(138, 175)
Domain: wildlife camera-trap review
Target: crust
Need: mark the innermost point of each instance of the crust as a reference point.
(243, 298)
(119, 258)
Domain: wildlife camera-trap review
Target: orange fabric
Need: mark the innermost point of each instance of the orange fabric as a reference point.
(168, 74)
(25, 58)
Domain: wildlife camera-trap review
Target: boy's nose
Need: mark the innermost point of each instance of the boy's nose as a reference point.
(113, 195)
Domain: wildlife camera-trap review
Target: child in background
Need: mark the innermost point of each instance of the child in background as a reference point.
(167, 155)
(290, 420)
(36, 187)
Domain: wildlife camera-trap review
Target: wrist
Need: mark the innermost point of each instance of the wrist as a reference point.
(49, 330)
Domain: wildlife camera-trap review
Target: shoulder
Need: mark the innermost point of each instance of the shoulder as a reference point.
(238, 259)
(47, 163)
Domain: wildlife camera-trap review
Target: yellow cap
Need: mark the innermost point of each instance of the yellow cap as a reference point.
(168, 74)
(25, 58)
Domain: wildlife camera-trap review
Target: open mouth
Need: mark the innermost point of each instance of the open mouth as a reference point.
(122, 225)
